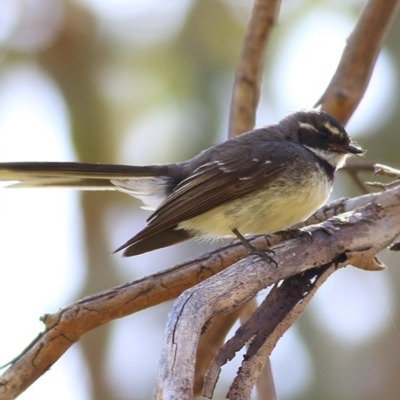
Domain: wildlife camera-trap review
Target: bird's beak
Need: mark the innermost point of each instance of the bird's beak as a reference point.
(351, 147)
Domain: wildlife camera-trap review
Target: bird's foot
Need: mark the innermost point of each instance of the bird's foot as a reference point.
(266, 254)
(263, 253)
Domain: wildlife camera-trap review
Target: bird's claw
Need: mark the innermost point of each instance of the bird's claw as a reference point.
(266, 254)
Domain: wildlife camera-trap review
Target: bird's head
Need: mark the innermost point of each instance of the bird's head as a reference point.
(323, 135)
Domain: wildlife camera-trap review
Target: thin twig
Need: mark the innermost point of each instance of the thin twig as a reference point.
(380, 169)
(384, 186)
(353, 169)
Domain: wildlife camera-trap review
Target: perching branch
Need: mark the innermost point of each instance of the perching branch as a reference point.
(352, 238)
(264, 333)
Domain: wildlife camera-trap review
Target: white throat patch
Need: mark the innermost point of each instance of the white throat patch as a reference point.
(337, 160)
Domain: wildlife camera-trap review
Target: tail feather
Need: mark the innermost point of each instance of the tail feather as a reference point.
(157, 241)
(151, 184)
(75, 175)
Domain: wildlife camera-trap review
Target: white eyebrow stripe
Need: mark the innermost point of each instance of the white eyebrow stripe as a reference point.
(307, 126)
(332, 128)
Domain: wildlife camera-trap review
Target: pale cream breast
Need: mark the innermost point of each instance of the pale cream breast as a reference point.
(266, 211)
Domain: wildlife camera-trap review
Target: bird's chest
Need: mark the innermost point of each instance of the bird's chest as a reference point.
(271, 209)
(279, 209)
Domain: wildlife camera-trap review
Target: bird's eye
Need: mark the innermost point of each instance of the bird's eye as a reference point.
(323, 134)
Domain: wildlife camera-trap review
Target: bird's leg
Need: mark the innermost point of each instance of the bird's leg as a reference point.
(263, 253)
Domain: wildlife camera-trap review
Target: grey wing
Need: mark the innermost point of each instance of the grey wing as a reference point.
(209, 186)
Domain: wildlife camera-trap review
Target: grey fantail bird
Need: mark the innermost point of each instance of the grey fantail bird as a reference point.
(263, 181)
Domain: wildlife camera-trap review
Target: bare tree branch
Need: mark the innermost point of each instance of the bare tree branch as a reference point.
(388, 171)
(351, 78)
(380, 169)
(213, 338)
(246, 92)
(265, 338)
(68, 325)
(353, 238)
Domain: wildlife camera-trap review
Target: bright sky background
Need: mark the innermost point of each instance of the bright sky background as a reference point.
(38, 227)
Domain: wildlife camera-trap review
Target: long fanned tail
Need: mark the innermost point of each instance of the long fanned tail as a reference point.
(74, 175)
(151, 184)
